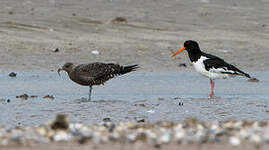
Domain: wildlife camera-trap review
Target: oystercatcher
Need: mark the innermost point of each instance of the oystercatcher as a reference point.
(209, 65)
(94, 73)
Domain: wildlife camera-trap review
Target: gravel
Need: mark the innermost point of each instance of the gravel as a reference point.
(189, 131)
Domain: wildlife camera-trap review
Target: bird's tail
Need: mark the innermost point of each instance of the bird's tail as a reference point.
(126, 69)
(251, 79)
(239, 72)
(245, 74)
(117, 69)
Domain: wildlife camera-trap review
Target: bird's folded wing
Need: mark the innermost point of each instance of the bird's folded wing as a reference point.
(220, 66)
(96, 71)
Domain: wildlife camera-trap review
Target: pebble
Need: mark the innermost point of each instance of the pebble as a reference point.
(61, 122)
(56, 50)
(131, 137)
(253, 80)
(140, 120)
(179, 136)
(10, 12)
(61, 136)
(166, 138)
(182, 65)
(23, 96)
(255, 139)
(95, 52)
(189, 131)
(49, 97)
(142, 105)
(119, 20)
(235, 141)
(106, 119)
(151, 111)
(33, 96)
(12, 74)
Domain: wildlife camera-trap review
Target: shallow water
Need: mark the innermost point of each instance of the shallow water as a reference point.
(132, 97)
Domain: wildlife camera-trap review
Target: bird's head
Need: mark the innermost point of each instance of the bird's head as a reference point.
(190, 46)
(66, 67)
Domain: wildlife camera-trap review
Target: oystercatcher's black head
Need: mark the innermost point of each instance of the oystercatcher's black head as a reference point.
(191, 46)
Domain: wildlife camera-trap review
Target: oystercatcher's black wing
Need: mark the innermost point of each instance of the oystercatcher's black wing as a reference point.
(218, 65)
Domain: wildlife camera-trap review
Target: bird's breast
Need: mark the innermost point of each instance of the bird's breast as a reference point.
(199, 65)
(78, 79)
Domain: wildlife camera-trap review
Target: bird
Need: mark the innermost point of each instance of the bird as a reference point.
(96, 73)
(210, 66)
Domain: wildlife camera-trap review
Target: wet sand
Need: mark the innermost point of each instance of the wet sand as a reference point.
(132, 98)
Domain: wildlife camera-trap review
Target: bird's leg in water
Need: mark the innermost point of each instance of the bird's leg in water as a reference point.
(212, 82)
(90, 93)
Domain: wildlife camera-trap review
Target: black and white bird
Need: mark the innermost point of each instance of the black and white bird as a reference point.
(94, 73)
(209, 65)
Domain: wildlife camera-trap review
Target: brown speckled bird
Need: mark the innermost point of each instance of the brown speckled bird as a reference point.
(94, 73)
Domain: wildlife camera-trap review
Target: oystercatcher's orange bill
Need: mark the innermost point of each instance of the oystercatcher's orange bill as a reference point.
(181, 50)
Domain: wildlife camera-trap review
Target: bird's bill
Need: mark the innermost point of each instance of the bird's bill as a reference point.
(178, 52)
(59, 70)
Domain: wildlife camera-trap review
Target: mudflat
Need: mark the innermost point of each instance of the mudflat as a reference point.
(42, 35)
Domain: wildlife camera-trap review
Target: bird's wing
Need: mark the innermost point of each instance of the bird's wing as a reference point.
(95, 72)
(218, 65)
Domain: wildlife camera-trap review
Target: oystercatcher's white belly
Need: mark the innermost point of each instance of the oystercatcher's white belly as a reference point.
(213, 73)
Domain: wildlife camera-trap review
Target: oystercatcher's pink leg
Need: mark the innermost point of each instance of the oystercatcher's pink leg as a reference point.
(212, 82)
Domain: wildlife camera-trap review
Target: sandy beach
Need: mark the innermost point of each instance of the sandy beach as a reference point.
(147, 33)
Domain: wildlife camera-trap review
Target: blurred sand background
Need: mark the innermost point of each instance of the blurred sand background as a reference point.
(147, 33)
